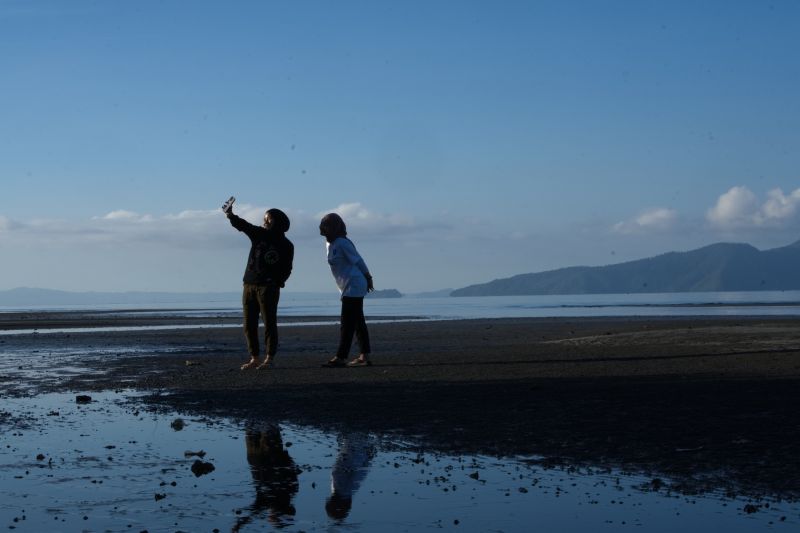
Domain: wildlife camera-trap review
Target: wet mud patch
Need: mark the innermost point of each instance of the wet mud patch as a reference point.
(116, 464)
(471, 425)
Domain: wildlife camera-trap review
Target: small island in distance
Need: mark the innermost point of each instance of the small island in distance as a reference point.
(385, 293)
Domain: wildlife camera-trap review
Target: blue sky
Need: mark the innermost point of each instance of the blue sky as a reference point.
(461, 141)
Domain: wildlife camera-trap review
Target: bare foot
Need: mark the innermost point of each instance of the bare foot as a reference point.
(361, 360)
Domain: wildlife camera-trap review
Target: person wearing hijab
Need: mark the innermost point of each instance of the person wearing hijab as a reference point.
(268, 267)
(354, 281)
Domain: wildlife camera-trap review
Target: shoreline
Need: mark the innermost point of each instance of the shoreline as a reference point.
(415, 350)
(44, 321)
(708, 402)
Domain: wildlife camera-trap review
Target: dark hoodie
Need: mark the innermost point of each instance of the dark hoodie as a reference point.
(271, 253)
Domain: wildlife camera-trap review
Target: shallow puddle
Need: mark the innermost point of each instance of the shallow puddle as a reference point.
(111, 465)
(25, 371)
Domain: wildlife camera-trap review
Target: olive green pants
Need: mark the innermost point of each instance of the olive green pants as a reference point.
(260, 300)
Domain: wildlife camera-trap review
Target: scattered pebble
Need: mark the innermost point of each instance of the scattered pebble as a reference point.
(189, 453)
(199, 468)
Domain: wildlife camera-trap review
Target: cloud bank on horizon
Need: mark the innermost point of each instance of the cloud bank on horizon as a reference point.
(737, 209)
(206, 233)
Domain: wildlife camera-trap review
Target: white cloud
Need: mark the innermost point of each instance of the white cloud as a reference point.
(194, 214)
(779, 206)
(352, 211)
(739, 208)
(358, 217)
(122, 228)
(195, 228)
(121, 215)
(735, 208)
(654, 219)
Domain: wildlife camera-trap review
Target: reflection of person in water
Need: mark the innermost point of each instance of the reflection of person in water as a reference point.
(356, 451)
(274, 476)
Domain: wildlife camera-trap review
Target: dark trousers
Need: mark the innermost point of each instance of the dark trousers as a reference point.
(352, 321)
(263, 300)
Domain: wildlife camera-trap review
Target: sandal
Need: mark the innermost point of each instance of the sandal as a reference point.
(250, 364)
(360, 361)
(336, 362)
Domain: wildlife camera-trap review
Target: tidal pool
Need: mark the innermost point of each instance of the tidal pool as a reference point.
(114, 465)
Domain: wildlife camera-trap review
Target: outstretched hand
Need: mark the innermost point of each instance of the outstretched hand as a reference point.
(227, 207)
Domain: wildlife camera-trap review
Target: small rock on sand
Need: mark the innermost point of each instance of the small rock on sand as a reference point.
(199, 468)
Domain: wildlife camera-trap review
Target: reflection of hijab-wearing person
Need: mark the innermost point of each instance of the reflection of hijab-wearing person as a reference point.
(356, 451)
(274, 476)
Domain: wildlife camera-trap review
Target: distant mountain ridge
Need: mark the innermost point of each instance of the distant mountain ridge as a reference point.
(717, 267)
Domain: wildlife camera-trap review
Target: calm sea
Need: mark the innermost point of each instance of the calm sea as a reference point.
(590, 305)
(772, 303)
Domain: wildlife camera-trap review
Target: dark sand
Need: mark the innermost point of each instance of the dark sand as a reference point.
(705, 404)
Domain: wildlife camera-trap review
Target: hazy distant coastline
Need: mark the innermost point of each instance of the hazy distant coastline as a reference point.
(29, 297)
(721, 267)
(26, 296)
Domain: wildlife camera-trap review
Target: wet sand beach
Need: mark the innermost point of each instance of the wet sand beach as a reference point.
(421, 351)
(708, 403)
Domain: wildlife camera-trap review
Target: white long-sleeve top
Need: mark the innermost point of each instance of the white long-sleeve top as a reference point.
(348, 268)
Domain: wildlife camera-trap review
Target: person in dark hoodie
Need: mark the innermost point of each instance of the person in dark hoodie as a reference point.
(268, 267)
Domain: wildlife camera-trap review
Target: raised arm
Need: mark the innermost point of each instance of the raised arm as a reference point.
(241, 224)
